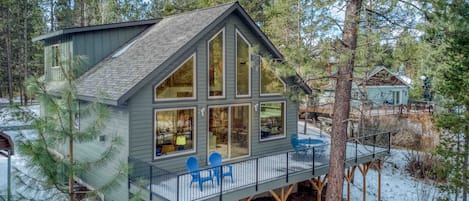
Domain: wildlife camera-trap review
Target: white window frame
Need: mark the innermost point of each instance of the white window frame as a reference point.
(260, 82)
(222, 31)
(229, 128)
(237, 32)
(194, 134)
(194, 81)
(284, 121)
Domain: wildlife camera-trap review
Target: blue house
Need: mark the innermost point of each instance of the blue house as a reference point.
(382, 86)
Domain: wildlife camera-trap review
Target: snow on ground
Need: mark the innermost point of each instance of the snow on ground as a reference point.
(9, 116)
(396, 184)
(19, 162)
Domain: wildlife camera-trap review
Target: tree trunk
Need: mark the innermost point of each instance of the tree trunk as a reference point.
(466, 166)
(9, 56)
(342, 102)
(82, 13)
(25, 56)
(52, 28)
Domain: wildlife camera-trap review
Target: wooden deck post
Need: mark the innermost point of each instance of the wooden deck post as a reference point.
(349, 176)
(318, 185)
(364, 170)
(379, 164)
(283, 195)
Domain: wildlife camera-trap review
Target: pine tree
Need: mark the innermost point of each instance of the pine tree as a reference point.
(448, 27)
(342, 101)
(51, 152)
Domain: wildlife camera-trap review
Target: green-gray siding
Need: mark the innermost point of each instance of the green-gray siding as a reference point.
(93, 46)
(141, 105)
(117, 125)
(96, 45)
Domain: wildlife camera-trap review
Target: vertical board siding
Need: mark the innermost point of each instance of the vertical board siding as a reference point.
(96, 45)
(141, 105)
(117, 125)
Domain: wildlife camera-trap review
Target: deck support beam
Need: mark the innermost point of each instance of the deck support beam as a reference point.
(379, 165)
(283, 195)
(349, 177)
(364, 170)
(318, 184)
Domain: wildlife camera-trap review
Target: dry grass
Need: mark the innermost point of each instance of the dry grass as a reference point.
(422, 165)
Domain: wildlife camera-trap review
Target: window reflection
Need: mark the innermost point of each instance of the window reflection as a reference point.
(180, 84)
(272, 120)
(242, 66)
(174, 131)
(270, 83)
(215, 62)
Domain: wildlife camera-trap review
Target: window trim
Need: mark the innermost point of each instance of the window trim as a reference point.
(284, 121)
(222, 31)
(237, 32)
(260, 82)
(194, 134)
(194, 82)
(229, 127)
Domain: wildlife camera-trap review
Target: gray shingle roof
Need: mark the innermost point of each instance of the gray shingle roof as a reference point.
(119, 73)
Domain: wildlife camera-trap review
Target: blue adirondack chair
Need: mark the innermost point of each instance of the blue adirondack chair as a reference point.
(216, 164)
(193, 168)
(299, 149)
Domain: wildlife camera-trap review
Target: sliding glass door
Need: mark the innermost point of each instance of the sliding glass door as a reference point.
(229, 130)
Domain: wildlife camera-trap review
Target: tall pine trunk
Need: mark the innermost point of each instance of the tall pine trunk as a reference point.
(9, 55)
(25, 56)
(342, 102)
(465, 165)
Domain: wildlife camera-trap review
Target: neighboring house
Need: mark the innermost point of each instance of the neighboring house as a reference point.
(380, 87)
(383, 87)
(180, 86)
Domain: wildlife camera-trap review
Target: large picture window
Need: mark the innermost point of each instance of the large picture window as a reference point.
(243, 73)
(272, 120)
(174, 131)
(180, 84)
(216, 65)
(270, 83)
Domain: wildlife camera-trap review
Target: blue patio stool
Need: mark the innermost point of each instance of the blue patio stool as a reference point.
(216, 164)
(193, 168)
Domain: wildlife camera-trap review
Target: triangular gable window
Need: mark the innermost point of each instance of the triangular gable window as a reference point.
(270, 83)
(180, 84)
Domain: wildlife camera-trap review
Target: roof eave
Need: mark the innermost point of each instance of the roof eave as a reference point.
(48, 35)
(259, 32)
(99, 100)
(95, 28)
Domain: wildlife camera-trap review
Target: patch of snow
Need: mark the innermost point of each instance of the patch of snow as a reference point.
(396, 183)
(14, 117)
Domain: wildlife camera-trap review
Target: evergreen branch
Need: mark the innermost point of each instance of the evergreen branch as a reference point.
(106, 156)
(416, 7)
(383, 16)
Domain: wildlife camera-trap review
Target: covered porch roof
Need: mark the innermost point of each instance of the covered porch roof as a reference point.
(6, 144)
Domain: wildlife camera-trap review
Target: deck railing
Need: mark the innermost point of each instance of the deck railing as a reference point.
(251, 172)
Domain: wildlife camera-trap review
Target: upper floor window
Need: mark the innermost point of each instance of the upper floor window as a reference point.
(272, 120)
(55, 55)
(174, 131)
(216, 65)
(270, 83)
(179, 84)
(243, 72)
